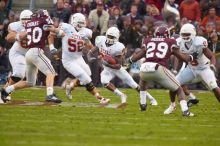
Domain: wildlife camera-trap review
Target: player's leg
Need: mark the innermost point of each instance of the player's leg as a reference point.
(209, 79)
(37, 57)
(19, 85)
(169, 81)
(75, 82)
(126, 77)
(184, 77)
(192, 98)
(143, 101)
(18, 63)
(106, 77)
(84, 79)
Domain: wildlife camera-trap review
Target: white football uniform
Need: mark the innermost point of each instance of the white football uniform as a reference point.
(72, 45)
(108, 73)
(199, 70)
(17, 52)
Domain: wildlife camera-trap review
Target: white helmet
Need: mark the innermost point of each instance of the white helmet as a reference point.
(187, 32)
(25, 15)
(112, 35)
(78, 21)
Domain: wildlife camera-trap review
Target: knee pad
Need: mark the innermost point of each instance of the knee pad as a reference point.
(15, 79)
(90, 86)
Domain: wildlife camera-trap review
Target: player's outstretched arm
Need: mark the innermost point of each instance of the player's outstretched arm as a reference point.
(138, 55)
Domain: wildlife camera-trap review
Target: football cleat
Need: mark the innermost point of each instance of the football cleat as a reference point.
(104, 101)
(192, 102)
(170, 110)
(53, 98)
(122, 105)
(69, 92)
(153, 102)
(187, 113)
(143, 107)
(4, 96)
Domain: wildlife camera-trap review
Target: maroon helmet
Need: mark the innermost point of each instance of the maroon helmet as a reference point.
(41, 13)
(162, 32)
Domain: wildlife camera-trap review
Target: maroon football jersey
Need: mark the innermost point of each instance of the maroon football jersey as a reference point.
(37, 33)
(159, 50)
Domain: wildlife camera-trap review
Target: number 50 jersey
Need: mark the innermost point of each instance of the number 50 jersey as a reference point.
(159, 50)
(72, 42)
(37, 31)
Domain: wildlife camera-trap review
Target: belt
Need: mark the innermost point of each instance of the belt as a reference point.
(157, 65)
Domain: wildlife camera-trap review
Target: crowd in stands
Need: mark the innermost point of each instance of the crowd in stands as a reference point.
(135, 19)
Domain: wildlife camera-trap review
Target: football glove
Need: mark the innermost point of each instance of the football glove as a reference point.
(195, 55)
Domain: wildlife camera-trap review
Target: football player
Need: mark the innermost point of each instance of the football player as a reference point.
(110, 46)
(157, 52)
(16, 32)
(37, 31)
(202, 68)
(75, 37)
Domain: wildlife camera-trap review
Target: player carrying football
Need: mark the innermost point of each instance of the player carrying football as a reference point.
(110, 47)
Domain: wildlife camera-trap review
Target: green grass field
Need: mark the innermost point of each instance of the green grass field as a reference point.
(81, 123)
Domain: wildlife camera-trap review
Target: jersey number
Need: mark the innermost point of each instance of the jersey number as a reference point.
(161, 50)
(34, 35)
(75, 45)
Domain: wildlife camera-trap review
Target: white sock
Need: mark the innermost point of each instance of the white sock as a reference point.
(183, 105)
(149, 96)
(142, 97)
(10, 89)
(192, 96)
(173, 104)
(49, 91)
(97, 95)
(117, 92)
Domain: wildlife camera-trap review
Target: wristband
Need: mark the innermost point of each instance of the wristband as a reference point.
(130, 60)
(51, 46)
(191, 57)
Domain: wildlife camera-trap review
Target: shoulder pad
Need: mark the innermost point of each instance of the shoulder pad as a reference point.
(200, 41)
(119, 48)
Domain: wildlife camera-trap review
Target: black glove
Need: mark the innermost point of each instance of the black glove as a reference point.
(195, 55)
(127, 63)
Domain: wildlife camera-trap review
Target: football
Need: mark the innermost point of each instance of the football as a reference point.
(109, 59)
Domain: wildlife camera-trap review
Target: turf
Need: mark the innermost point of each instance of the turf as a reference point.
(78, 125)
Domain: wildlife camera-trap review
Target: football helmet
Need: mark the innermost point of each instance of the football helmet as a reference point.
(41, 13)
(112, 35)
(78, 21)
(187, 32)
(25, 16)
(162, 32)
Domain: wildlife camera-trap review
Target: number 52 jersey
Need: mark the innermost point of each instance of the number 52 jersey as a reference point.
(72, 42)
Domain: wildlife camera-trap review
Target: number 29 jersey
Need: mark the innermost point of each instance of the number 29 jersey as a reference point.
(159, 50)
(72, 42)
